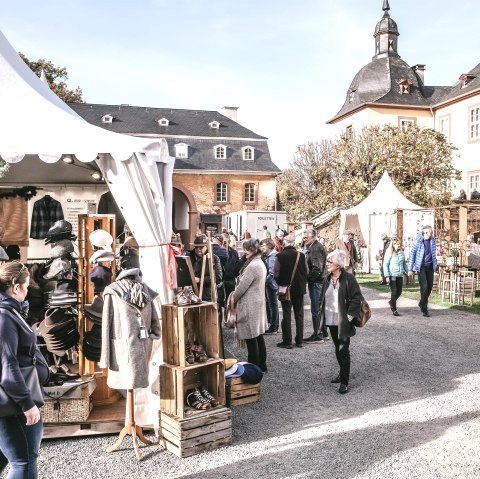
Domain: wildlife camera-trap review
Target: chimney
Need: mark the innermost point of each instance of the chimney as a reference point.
(230, 112)
(420, 71)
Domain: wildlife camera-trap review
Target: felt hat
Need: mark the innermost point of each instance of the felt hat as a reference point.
(92, 343)
(102, 255)
(59, 230)
(59, 266)
(236, 371)
(101, 277)
(252, 373)
(96, 308)
(61, 249)
(101, 239)
(200, 240)
(229, 362)
(130, 242)
(3, 255)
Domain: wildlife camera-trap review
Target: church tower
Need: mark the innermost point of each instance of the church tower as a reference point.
(386, 35)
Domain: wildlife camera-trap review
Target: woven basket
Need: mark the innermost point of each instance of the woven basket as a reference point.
(66, 409)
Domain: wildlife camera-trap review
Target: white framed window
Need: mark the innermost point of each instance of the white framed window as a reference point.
(444, 126)
(220, 152)
(221, 194)
(349, 132)
(405, 122)
(250, 193)
(214, 124)
(474, 123)
(248, 152)
(181, 150)
(107, 119)
(473, 181)
(163, 122)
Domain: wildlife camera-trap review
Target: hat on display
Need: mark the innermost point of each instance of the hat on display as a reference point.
(130, 261)
(200, 240)
(101, 277)
(252, 373)
(61, 249)
(92, 343)
(101, 239)
(96, 308)
(59, 266)
(235, 371)
(229, 362)
(3, 255)
(59, 230)
(130, 242)
(101, 256)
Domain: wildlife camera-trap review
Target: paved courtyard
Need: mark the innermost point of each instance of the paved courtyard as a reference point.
(412, 412)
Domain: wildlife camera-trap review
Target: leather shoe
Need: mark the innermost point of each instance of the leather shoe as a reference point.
(271, 331)
(343, 389)
(426, 314)
(284, 345)
(336, 380)
(313, 339)
(396, 313)
(299, 345)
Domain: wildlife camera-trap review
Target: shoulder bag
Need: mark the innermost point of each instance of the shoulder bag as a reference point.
(30, 376)
(231, 312)
(365, 311)
(284, 291)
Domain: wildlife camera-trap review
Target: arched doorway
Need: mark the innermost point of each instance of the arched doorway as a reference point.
(184, 214)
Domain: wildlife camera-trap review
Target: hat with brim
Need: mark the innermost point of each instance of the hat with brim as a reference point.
(130, 242)
(59, 266)
(235, 371)
(61, 249)
(200, 240)
(101, 277)
(101, 256)
(101, 239)
(252, 373)
(96, 308)
(229, 362)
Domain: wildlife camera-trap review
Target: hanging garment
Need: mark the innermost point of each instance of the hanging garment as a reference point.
(46, 212)
(13, 222)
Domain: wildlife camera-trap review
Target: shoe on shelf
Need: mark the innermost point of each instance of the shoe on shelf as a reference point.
(206, 394)
(193, 298)
(271, 331)
(189, 356)
(396, 313)
(196, 400)
(336, 380)
(285, 345)
(181, 298)
(343, 389)
(313, 339)
(199, 352)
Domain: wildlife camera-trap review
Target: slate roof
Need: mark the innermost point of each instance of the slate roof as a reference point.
(456, 91)
(192, 128)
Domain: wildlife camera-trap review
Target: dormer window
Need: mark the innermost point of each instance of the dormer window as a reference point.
(163, 122)
(465, 79)
(220, 152)
(248, 152)
(107, 119)
(351, 95)
(214, 124)
(181, 150)
(405, 87)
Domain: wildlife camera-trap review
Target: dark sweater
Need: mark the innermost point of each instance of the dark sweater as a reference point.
(17, 346)
(284, 264)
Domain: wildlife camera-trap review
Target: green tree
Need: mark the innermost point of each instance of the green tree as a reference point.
(342, 172)
(56, 77)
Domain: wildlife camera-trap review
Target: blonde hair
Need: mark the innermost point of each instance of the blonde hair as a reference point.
(12, 273)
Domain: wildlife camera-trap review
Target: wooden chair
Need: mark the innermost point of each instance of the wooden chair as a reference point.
(466, 289)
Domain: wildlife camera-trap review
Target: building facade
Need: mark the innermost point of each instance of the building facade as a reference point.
(389, 91)
(220, 165)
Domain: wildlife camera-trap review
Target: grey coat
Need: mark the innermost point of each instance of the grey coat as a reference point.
(250, 299)
(124, 353)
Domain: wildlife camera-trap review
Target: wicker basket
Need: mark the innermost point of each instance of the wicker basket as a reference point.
(67, 409)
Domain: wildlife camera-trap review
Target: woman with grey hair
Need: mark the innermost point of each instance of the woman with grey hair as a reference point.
(340, 307)
(249, 296)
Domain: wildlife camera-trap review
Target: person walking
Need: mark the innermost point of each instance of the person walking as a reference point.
(20, 434)
(316, 257)
(283, 270)
(271, 287)
(423, 259)
(386, 244)
(249, 296)
(340, 309)
(220, 251)
(350, 252)
(394, 268)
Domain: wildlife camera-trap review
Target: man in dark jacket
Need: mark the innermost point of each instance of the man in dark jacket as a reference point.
(221, 252)
(283, 269)
(316, 257)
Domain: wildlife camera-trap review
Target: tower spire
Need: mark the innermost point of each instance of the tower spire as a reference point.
(386, 35)
(386, 6)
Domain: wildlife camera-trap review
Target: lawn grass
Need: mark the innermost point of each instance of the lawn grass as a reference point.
(413, 292)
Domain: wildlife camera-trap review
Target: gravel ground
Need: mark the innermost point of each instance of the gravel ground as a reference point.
(412, 411)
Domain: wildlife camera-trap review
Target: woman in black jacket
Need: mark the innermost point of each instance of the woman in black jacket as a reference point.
(20, 434)
(340, 309)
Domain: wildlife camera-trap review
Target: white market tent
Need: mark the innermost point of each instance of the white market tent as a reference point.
(34, 121)
(377, 214)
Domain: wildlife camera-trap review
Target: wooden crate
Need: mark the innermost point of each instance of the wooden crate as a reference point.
(184, 324)
(239, 392)
(207, 430)
(175, 381)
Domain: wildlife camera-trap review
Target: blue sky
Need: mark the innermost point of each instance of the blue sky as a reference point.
(286, 64)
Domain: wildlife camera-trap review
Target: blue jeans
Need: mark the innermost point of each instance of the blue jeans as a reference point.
(19, 446)
(315, 291)
(272, 306)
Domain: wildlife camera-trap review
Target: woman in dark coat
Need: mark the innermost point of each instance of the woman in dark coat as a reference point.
(20, 434)
(340, 309)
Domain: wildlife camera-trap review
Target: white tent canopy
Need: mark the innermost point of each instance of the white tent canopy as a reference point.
(34, 121)
(375, 215)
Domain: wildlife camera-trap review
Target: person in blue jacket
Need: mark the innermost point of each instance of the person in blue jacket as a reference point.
(394, 268)
(423, 258)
